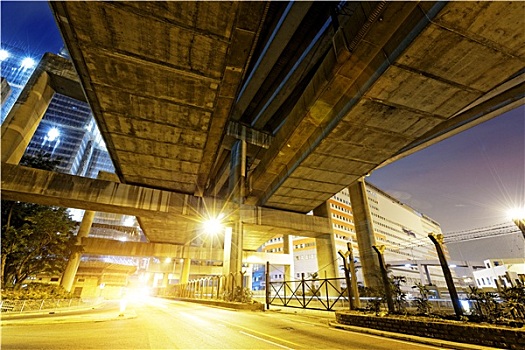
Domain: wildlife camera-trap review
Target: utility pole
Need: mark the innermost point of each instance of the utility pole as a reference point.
(355, 289)
(347, 278)
(438, 241)
(384, 274)
(521, 225)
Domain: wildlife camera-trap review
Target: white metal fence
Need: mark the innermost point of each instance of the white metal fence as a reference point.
(19, 306)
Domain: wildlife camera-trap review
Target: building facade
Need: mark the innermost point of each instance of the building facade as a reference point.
(16, 67)
(401, 229)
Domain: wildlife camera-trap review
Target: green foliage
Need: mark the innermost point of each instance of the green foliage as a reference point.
(241, 295)
(35, 238)
(376, 297)
(36, 291)
(422, 304)
(400, 301)
(486, 308)
(514, 302)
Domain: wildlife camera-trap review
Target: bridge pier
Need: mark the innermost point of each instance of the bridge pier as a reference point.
(288, 249)
(365, 233)
(53, 73)
(325, 247)
(185, 273)
(25, 116)
(74, 259)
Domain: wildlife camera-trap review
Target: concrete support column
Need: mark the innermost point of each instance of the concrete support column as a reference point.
(165, 279)
(238, 171)
(185, 276)
(365, 234)
(325, 247)
(25, 116)
(236, 252)
(237, 190)
(249, 277)
(421, 274)
(227, 250)
(74, 259)
(289, 271)
(429, 280)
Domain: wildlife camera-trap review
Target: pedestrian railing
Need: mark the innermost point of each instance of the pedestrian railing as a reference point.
(317, 294)
(19, 306)
(224, 287)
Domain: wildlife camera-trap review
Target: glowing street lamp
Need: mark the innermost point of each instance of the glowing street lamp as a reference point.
(4, 54)
(518, 216)
(213, 225)
(28, 62)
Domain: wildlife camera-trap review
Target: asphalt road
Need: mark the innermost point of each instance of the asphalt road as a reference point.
(163, 324)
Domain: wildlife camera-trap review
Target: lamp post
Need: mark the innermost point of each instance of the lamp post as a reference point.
(517, 215)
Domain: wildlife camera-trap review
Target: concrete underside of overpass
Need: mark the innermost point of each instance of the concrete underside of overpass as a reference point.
(163, 79)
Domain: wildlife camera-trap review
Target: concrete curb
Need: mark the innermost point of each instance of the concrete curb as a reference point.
(411, 338)
(220, 303)
(69, 319)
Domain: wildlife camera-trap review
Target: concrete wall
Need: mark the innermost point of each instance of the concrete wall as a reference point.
(448, 330)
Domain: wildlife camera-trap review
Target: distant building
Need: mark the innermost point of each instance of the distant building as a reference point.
(16, 66)
(5, 90)
(500, 272)
(403, 230)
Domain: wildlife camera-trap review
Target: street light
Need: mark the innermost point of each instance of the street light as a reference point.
(214, 225)
(518, 216)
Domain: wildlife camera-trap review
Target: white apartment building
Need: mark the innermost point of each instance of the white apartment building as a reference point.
(403, 230)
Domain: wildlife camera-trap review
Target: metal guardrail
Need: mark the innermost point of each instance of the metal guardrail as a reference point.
(224, 287)
(19, 306)
(317, 294)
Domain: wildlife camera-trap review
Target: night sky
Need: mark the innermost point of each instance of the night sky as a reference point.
(465, 182)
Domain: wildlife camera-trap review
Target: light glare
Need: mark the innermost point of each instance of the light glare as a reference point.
(516, 213)
(213, 226)
(3, 55)
(52, 134)
(28, 62)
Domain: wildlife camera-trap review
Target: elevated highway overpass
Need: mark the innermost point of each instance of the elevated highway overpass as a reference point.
(270, 106)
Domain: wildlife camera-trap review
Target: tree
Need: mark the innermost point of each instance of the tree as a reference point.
(35, 238)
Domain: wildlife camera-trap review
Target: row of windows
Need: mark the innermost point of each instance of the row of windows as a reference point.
(274, 250)
(343, 218)
(343, 237)
(344, 228)
(305, 257)
(337, 198)
(304, 245)
(340, 208)
(276, 239)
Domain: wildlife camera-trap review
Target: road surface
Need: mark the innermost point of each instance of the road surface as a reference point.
(164, 324)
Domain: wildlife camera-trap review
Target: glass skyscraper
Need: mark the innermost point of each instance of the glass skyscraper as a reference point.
(16, 66)
(67, 132)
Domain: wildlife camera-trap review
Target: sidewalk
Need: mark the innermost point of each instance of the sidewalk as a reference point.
(329, 318)
(67, 315)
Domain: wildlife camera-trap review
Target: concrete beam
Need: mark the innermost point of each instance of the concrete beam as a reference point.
(293, 16)
(165, 217)
(101, 246)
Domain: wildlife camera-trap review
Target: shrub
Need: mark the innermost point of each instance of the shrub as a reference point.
(422, 304)
(34, 291)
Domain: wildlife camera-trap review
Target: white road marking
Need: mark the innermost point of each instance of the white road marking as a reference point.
(264, 340)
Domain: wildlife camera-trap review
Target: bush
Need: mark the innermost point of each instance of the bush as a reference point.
(35, 291)
(422, 304)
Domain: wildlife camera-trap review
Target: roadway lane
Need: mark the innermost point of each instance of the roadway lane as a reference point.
(163, 324)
